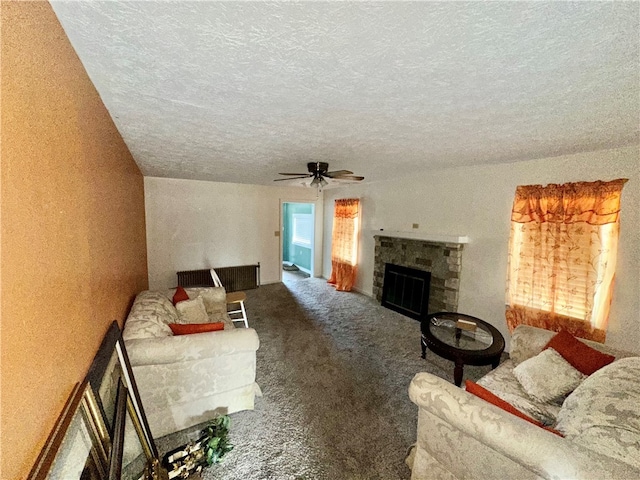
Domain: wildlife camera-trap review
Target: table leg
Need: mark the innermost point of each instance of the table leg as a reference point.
(457, 373)
(423, 346)
(495, 363)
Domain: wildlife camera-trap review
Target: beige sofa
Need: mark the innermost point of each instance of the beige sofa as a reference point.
(461, 436)
(187, 379)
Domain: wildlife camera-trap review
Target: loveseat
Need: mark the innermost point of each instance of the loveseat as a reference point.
(185, 380)
(462, 436)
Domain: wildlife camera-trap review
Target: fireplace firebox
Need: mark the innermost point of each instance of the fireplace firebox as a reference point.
(406, 290)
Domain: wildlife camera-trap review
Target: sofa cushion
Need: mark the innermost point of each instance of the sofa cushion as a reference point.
(503, 383)
(192, 311)
(584, 358)
(547, 376)
(483, 393)
(602, 413)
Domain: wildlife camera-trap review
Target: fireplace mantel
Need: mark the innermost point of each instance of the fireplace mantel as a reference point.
(427, 237)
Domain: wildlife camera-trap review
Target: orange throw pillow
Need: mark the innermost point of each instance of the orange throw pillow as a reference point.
(481, 392)
(581, 357)
(189, 328)
(180, 295)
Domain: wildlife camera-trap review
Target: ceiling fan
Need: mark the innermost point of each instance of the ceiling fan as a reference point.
(318, 171)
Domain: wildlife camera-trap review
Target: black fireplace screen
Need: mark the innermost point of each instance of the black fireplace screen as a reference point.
(406, 290)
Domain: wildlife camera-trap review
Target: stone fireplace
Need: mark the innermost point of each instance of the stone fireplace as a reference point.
(441, 258)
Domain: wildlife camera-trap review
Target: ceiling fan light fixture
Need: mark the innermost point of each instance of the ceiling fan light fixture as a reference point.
(317, 173)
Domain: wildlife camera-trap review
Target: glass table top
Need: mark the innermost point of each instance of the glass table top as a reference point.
(444, 329)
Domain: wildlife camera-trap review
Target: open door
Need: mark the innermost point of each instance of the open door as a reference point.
(298, 232)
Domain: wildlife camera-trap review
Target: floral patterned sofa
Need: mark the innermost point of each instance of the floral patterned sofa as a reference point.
(462, 436)
(185, 380)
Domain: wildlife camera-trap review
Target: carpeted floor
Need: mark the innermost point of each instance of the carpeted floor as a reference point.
(334, 368)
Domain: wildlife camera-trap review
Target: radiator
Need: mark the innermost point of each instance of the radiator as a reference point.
(243, 277)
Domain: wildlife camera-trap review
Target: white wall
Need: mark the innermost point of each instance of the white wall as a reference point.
(477, 201)
(195, 224)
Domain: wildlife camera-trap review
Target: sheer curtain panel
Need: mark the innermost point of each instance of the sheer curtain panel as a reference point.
(344, 243)
(562, 256)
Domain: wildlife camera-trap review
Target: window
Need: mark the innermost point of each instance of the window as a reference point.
(562, 256)
(302, 229)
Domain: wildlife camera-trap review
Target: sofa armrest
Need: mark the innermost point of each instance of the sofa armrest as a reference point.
(538, 450)
(181, 348)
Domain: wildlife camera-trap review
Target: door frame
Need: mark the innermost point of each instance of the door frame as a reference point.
(316, 243)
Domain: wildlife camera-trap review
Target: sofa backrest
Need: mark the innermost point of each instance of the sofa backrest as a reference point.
(153, 311)
(527, 342)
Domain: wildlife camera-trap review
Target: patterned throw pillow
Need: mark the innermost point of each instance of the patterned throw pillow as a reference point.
(192, 311)
(547, 376)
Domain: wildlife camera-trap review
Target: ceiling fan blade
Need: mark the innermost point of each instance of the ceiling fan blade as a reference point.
(291, 178)
(348, 177)
(305, 174)
(337, 173)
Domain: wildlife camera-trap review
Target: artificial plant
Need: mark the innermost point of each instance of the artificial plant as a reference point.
(216, 443)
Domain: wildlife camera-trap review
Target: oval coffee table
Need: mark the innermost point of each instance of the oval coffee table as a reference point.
(483, 346)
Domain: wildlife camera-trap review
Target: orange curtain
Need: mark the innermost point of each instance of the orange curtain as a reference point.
(562, 256)
(344, 243)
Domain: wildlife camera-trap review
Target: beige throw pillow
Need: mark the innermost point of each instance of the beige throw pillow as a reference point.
(215, 301)
(192, 311)
(547, 376)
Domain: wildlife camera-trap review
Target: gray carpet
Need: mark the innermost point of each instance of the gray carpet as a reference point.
(334, 368)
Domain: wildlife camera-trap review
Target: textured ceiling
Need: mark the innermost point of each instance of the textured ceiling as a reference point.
(238, 91)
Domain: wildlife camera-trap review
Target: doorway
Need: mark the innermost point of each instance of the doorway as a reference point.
(298, 220)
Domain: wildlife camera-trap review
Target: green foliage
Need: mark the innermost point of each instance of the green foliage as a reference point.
(217, 444)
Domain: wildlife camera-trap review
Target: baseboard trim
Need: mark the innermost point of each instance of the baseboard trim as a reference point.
(357, 290)
(362, 292)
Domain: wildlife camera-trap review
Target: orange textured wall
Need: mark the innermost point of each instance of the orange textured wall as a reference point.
(73, 232)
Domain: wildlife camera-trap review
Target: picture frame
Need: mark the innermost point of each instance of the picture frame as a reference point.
(75, 449)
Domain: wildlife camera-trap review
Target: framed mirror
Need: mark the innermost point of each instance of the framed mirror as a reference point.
(75, 449)
(134, 397)
(102, 432)
(104, 374)
(110, 365)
